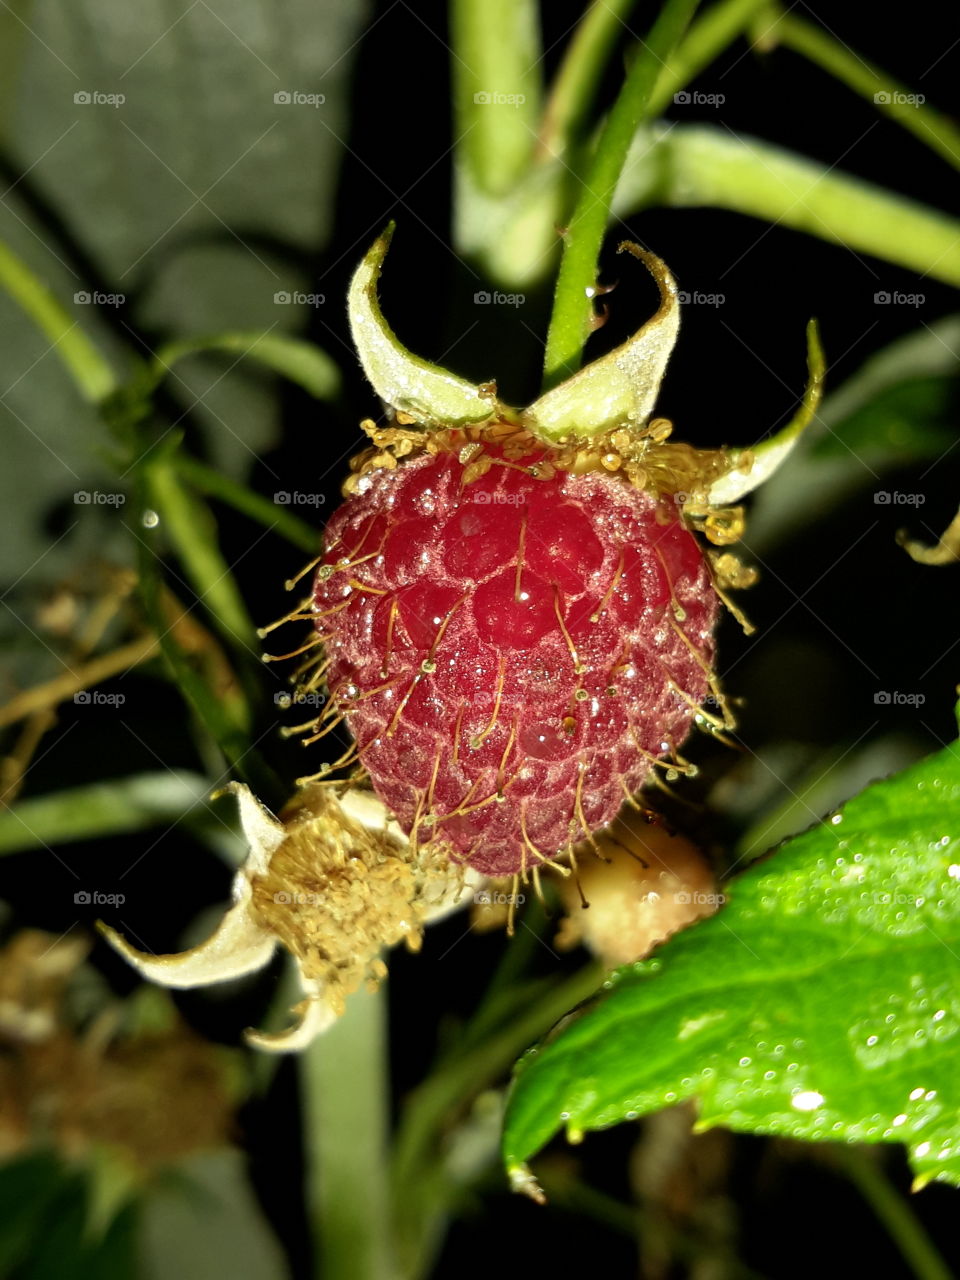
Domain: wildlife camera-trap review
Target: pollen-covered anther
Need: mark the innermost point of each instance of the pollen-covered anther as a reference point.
(335, 882)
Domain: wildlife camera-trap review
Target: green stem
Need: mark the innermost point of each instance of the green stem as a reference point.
(88, 368)
(422, 1193)
(214, 484)
(693, 166)
(901, 1223)
(707, 38)
(192, 532)
(497, 88)
(343, 1079)
(578, 78)
(573, 307)
(870, 82)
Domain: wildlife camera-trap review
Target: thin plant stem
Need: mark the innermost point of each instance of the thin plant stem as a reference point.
(707, 38)
(901, 1223)
(214, 484)
(694, 166)
(876, 85)
(573, 306)
(89, 369)
(576, 83)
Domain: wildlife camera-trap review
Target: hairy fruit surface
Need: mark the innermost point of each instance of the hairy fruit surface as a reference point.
(512, 652)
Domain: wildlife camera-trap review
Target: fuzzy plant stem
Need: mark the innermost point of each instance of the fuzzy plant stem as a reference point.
(346, 1123)
(573, 305)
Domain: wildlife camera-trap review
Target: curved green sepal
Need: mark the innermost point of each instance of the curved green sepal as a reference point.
(771, 453)
(621, 388)
(428, 394)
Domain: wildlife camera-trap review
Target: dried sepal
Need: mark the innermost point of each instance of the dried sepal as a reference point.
(335, 881)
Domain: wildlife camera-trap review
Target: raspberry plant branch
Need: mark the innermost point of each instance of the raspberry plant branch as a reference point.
(422, 1192)
(901, 1223)
(191, 530)
(692, 166)
(709, 35)
(890, 97)
(573, 306)
(90, 370)
(497, 88)
(575, 86)
(343, 1084)
(214, 484)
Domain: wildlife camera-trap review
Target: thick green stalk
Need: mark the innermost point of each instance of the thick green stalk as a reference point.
(573, 306)
(344, 1091)
(876, 85)
(692, 166)
(497, 88)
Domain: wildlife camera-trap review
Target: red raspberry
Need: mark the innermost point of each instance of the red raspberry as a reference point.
(512, 654)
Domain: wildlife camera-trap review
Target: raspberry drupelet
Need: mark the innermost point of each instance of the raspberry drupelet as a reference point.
(513, 651)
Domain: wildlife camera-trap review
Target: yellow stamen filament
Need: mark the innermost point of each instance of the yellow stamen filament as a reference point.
(595, 617)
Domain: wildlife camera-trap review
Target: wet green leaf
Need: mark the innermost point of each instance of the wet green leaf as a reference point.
(821, 1002)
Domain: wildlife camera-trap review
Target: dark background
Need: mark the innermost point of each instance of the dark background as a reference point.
(868, 617)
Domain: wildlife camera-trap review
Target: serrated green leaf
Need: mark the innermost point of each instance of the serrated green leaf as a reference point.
(821, 1002)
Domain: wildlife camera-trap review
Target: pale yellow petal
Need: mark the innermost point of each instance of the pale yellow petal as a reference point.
(439, 900)
(314, 1016)
(237, 947)
(262, 830)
